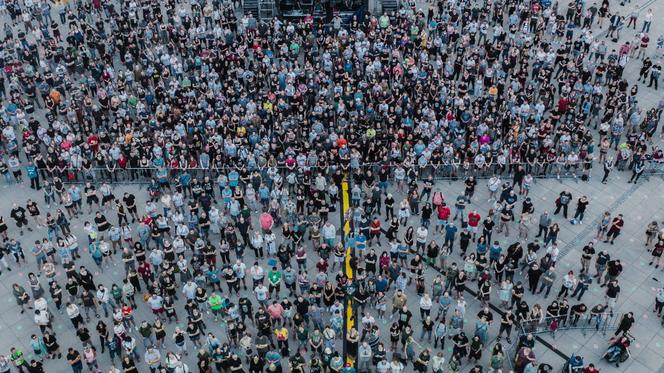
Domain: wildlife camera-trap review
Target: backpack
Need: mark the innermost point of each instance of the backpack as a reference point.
(438, 198)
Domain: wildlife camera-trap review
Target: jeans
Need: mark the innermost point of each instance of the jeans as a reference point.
(427, 333)
(578, 215)
(563, 291)
(564, 208)
(580, 290)
(548, 289)
(77, 368)
(436, 339)
(542, 230)
(106, 306)
(149, 341)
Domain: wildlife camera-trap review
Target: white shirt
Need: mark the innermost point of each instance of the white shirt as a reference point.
(329, 231)
(422, 234)
(42, 318)
(426, 303)
(257, 272)
(102, 296)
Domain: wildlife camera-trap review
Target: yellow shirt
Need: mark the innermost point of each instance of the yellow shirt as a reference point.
(282, 334)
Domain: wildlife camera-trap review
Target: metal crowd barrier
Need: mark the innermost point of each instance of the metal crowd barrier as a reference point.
(448, 172)
(594, 323)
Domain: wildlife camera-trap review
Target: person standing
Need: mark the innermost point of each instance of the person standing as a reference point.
(75, 361)
(655, 73)
(614, 230)
(506, 322)
(153, 359)
(562, 202)
(549, 277)
(659, 302)
(544, 222)
(18, 214)
(637, 171)
(33, 175)
(18, 360)
(626, 323)
(608, 166)
(647, 21)
(581, 205)
(611, 295)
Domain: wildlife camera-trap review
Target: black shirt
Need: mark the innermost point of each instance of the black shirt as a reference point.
(18, 214)
(73, 355)
(588, 252)
(486, 314)
(506, 318)
(612, 290)
(129, 200)
(488, 225)
(405, 316)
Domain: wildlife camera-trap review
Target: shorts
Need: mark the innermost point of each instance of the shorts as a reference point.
(472, 229)
(381, 307)
(157, 311)
(21, 223)
(612, 303)
(91, 200)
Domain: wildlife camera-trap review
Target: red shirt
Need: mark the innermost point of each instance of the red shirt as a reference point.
(617, 224)
(374, 226)
(474, 219)
(443, 212)
(322, 267)
(144, 269)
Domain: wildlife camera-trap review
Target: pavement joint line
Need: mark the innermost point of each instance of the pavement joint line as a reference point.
(544, 342)
(593, 225)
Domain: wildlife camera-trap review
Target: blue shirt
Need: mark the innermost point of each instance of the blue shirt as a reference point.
(185, 179)
(32, 171)
(494, 251)
(75, 193)
(450, 231)
(233, 178)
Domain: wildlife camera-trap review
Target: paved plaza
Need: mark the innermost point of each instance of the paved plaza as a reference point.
(640, 204)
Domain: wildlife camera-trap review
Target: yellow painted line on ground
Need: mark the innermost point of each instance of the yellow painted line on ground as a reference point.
(345, 201)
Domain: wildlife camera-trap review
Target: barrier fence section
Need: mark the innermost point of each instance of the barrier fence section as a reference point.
(128, 175)
(588, 322)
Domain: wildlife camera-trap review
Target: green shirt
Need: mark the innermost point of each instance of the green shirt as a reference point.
(215, 302)
(17, 357)
(274, 277)
(145, 331)
(384, 21)
(116, 293)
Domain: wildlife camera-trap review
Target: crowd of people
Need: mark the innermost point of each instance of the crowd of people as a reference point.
(245, 131)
